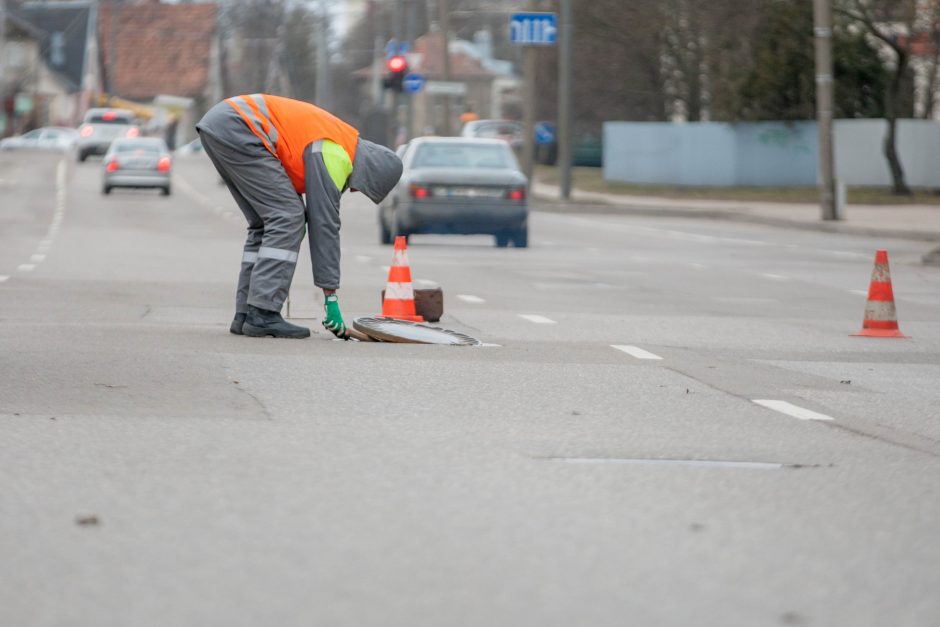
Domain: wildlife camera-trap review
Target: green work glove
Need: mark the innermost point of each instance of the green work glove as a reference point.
(333, 320)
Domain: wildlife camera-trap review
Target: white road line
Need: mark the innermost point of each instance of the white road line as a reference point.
(774, 277)
(385, 268)
(470, 298)
(859, 292)
(26, 267)
(537, 319)
(37, 258)
(363, 258)
(425, 282)
(635, 351)
(792, 410)
(698, 266)
(4, 278)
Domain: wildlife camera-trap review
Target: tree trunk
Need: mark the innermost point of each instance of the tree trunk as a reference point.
(892, 105)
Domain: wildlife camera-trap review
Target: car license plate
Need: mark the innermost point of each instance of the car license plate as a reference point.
(468, 192)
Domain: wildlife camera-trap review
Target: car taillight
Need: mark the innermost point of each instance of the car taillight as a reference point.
(517, 193)
(133, 132)
(163, 165)
(86, 130)
(112, 166)
(419, 191)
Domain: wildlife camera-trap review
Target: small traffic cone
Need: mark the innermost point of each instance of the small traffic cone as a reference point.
(399, 301)
(881, 318)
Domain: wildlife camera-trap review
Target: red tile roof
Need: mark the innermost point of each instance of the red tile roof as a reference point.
(462, 66)
(161, 48)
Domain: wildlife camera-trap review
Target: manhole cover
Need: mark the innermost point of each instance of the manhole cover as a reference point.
(388, 330)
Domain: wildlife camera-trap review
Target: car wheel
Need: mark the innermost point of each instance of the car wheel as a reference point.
(165, 191)
(385, 236)
(106, 189)
(520, 239)
(397, 230)
(502, 239)
(82, 156)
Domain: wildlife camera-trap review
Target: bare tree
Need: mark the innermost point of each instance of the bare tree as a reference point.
(892, 23)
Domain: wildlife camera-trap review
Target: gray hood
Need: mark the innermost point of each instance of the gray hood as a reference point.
(376, 170)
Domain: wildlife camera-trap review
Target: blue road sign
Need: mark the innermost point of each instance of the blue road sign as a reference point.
(544, 133)
(413, 83)
(534, 29)
(395, 47)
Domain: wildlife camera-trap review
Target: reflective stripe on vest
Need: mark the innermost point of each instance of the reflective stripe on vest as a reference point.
(256, 121)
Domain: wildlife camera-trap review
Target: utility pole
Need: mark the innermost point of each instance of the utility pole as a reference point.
(4, 123)
(410, 35)
(530, 64)
(112, 47)
(445, 32)
(822, 22)
(324, 93)
(564, 99)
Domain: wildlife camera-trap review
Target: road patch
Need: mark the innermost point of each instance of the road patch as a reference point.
(695, 463)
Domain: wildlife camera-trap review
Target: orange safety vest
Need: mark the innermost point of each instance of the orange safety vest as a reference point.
(286, 127)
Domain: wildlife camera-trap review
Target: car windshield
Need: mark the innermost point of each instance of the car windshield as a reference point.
(462, 156)
(138, 147)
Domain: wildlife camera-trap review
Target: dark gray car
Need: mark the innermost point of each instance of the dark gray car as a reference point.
(458, 185)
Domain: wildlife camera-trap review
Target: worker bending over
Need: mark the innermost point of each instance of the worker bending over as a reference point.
(269, 150)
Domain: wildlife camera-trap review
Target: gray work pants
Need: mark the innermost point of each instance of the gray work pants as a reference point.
(275, 214)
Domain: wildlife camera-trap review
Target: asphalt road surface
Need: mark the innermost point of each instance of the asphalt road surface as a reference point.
(608, 463)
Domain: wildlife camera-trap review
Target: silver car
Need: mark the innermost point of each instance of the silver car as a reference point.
(55, 138)
(458, 185)
(101, 127)
(138, 162)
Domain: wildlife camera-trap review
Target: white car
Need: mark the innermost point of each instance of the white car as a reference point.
(54, 138)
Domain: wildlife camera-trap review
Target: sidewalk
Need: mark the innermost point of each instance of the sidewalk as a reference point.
(916, 222)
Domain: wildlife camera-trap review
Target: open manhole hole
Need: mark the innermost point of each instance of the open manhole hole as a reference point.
(401, 332)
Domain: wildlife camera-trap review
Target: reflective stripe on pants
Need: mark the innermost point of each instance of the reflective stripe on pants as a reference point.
(275, 216)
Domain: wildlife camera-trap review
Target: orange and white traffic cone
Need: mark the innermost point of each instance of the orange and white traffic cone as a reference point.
(399, 301)
(881, 318)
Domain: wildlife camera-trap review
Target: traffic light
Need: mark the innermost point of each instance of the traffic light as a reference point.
(397, 68)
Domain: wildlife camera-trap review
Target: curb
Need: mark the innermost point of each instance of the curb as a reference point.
(553, 205)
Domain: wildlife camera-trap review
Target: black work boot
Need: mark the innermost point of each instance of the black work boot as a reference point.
(237, 324)
(262, 322)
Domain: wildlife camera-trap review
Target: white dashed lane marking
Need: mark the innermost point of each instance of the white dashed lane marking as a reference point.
(537, 319)
(859, 292)
(4, 278)
(26, 267)
(363, 258)
(37, 258)
(635, 351)
(774, 277)
(794, 411)
(470, 298)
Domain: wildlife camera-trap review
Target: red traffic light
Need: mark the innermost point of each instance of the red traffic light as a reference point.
(397, 63)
